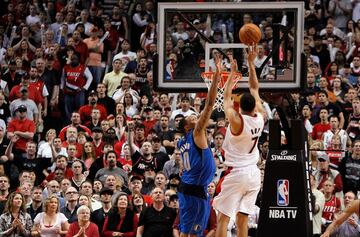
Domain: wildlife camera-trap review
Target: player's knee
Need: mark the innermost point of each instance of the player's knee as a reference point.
(223, 219)
(241, 219)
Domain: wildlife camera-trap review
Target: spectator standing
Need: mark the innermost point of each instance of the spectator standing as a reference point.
(96, 48)
(99, 216)
(161, 225)
(76, 79)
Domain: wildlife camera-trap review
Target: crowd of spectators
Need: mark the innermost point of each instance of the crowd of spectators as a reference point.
(87, 147)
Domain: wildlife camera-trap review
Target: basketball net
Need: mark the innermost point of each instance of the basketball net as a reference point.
(224, 76)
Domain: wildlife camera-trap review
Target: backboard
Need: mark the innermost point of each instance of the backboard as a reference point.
(189, 34)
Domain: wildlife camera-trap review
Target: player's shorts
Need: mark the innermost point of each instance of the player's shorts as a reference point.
(239, 191)
(194, 213)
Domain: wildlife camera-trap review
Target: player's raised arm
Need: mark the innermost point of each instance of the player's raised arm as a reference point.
(253, 80)
(199, 131)
(230, 112)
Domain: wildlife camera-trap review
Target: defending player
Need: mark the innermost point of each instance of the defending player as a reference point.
(242, 184)
(199, 166)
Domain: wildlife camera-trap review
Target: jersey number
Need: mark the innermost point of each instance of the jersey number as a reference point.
(186, 160)
(255, 139)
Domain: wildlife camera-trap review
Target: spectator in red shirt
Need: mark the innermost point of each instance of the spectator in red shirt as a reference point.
(322, 126)
(83, 226)
(97, 135)
(135, 186)
(149, 121)
(75, 122)
(71, 138)
(80, 47)
(21, 127)
(85, 110)
(61, 163)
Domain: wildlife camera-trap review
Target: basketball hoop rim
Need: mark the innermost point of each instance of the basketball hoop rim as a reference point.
(209, 76)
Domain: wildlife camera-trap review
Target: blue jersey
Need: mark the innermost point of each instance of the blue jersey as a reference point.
(199, 164)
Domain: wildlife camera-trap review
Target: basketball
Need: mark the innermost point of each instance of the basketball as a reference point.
(249, 34)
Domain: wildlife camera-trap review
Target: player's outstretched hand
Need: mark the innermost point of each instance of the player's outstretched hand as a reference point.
(218, 64)
(251, 52)
(233, 64)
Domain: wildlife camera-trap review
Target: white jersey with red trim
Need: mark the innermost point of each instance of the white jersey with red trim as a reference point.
(241, 150)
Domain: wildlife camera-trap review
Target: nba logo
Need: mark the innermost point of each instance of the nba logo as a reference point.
(282, 192)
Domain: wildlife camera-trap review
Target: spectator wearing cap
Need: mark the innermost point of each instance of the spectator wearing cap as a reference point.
(174, 181)
(20, 128)
(173, 165)
(325, 172)
(104, 99)
(96, 48)
(75, 80)
(349, 169)
(135, 186)
(99, 216)
(159, 152)
(121, 220)
(113, 79)
(174, 202)
(165, 216)
(111, 168)
(149, 180)
(85, 110)
(184, 108)
(32, 109)
(97, 135)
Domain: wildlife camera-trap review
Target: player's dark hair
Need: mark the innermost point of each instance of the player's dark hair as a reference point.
(181, 126)
(247, 102)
